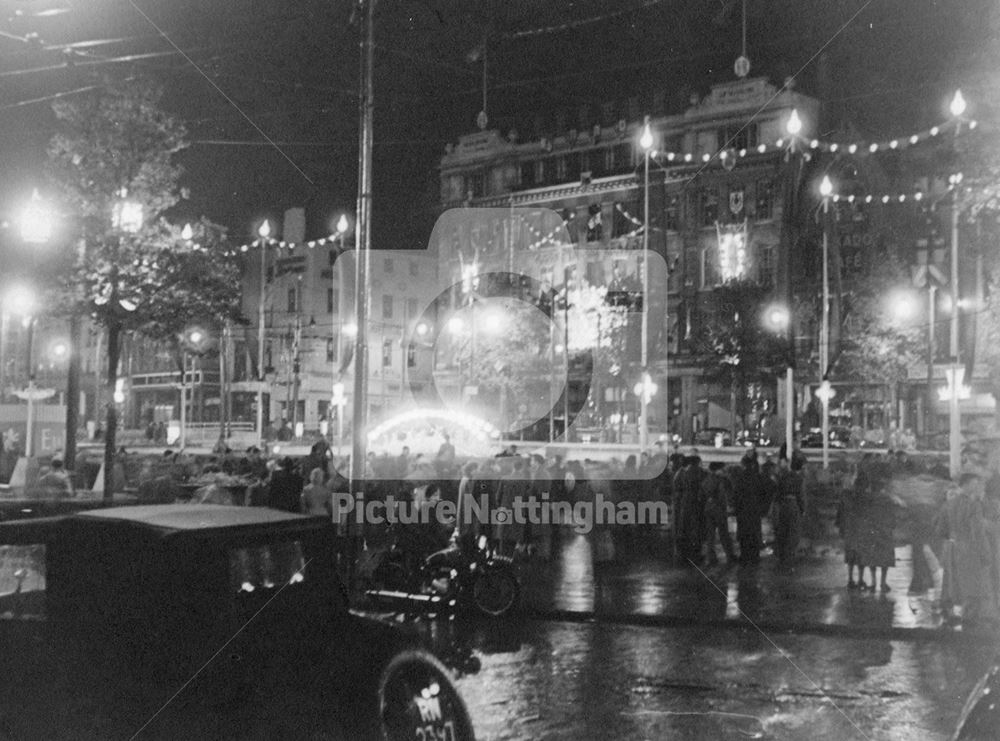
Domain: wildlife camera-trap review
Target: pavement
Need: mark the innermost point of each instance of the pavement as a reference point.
(642, 586)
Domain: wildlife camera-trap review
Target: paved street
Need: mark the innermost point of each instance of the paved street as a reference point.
(643, 650)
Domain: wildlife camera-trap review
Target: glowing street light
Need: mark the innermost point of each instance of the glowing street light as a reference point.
(493, 321)
(957, 106)
(36, 221)
(955, 378)
(645, 389)
(778, 318)
(455, 325)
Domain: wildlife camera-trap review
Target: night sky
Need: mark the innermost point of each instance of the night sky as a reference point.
(240, 72)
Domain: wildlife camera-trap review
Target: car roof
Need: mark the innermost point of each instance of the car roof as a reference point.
(191, 517)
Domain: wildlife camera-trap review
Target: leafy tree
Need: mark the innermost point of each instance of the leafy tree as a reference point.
(113, 146)
(878, 344)
(739, 351)
(503, 349)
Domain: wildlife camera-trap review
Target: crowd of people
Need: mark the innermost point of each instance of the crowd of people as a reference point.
(718, 513)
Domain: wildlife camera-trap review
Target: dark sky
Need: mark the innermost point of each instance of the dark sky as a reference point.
(240, 72)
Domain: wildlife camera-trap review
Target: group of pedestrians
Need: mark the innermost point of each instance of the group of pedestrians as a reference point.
(866, 518)
(750, 492)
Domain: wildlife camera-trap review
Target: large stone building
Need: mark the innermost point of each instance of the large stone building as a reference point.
(715, 185)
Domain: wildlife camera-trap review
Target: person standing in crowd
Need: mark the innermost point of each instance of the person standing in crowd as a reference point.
(788, 508)
(514, 491)
(285, 487)
(688, 511)
(444, 461)
(541, 491)
(966, 554)
(849, 513)
(403, 463)
(876, 547)
(466, 530)
(716, 491)
(749, 497)
(56, 482)
(317, 458)
(316, 498)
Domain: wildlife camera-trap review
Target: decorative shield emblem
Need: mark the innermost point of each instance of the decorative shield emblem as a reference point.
(736, 201)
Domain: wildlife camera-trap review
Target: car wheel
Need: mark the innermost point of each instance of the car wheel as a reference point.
(418, 701)
(495, 592)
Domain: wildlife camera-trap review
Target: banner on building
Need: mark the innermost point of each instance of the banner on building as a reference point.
(734, 262)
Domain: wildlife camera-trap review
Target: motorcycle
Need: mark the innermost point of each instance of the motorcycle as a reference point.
(463, 576)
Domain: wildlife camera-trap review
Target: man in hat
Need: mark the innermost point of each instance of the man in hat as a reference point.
(56, 482)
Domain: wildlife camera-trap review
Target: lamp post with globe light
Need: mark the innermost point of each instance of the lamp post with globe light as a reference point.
(825, 392)
(646, 142)
(263, 232)
(339, 285)
(793, 126)
(957, 108)
(19, 300)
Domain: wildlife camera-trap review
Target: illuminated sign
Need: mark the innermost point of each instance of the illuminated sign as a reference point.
(733, 262)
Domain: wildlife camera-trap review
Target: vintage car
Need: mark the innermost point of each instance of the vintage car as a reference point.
(202, 621)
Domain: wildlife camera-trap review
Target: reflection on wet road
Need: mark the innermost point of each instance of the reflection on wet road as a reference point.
(640, 649)
(558, 680)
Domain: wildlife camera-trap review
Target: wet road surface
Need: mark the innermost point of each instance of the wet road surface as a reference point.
(638, 648)
(542, 679)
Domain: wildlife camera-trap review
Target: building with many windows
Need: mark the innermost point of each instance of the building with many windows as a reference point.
(715, 200)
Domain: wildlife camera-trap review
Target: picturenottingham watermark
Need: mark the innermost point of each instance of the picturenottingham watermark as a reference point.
(583, 517)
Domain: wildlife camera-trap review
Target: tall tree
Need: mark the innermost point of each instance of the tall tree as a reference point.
(879, 343)
(739, 350)
(112, 160)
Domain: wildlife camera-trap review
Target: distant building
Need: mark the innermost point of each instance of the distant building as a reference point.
(715, 210)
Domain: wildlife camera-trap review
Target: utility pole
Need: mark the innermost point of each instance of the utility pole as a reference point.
(363, 247)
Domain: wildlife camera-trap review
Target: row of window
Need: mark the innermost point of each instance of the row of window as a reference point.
(570, 167)
(588, 225)
(333, 303)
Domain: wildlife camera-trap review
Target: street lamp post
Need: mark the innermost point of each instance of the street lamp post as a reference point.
(339, 400)
(29, 443)
(793, 126)
(954, 413)
(263, 232)
(646, 142)
(825, 189)
(338, 285)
